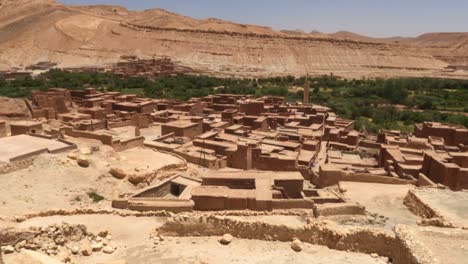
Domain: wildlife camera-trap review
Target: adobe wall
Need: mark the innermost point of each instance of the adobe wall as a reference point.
(122, 123)
(20, 129)
(293, 188)
(28, 155)
(448, 174)
(364, 240)
(129, 143)
(105, 139)
(278, 204)
(240, 158)
(418, 207)
(161, 204)
(423, 180)
(338, 209)
(331, 176)
(209, 162)
(190, 132)
(3, 129)
(263, 162)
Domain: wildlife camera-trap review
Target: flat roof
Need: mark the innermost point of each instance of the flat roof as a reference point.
(246, 175)
(180, 123)
(20, 145)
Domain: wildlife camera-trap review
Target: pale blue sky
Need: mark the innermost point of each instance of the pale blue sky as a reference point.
(378, 18)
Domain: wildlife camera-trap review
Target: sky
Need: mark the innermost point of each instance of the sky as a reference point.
(376, 18)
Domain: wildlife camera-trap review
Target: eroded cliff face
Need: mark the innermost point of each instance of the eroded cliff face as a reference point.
(451, 48)
(100, 35)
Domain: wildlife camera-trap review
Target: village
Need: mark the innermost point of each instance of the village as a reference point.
(225, 155)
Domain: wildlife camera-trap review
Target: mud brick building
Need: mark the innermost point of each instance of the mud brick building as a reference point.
(26, 127)
(453, 135)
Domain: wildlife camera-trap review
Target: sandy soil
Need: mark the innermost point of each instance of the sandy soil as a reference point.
(131, 235)
(290, 220)
(55, 181)
(436, 245)
(453, 206)
(382, 199)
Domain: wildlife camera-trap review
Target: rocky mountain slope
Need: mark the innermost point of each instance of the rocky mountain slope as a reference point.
(79, 36)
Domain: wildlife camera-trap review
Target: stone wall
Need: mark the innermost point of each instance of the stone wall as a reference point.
(329, 176)
(365, 240)
(105, 139)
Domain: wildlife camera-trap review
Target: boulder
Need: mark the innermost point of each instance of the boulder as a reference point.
(108, 250)
(83, 161)
(86, 250)
(226, 239)
(103, 234)
(64, 256)
(72, 155)
(75, 250)
(118, 173)
(97, 246)
(136, 179)
(8, 249)
(85, 151)
(296, 245)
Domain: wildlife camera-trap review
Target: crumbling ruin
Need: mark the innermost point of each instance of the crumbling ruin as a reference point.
(231, 156)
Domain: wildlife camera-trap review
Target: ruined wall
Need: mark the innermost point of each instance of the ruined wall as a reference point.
(105, 139)
(269, 163)
(330, 177)
(418, 207)
(365, 240)
(277, 204)
(3, 129)
(129, 143)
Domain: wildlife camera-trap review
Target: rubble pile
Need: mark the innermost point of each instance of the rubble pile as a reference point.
(64, 241)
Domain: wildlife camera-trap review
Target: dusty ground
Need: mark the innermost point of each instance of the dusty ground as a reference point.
(382, 199)
(453, 206)
(55, 181)
(135, 246)
(436, 245)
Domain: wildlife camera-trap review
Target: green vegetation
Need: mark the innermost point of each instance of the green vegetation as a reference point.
(395, 103)
(95, 197)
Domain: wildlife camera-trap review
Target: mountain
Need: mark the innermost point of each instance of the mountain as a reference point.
(88, 36)
(451, 48)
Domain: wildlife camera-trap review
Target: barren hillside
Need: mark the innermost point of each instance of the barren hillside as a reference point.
(449, 47)
(73, 36)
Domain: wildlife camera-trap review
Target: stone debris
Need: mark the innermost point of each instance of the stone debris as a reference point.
(226, 239)
(86, 250)
(75, 250)
(86, 151)
(296, 245)
(108, 250)
(118, 173)
(8, 249)
(62, 241)
(97, 246)
(32, 257)
(83, 161)
(72, 155)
